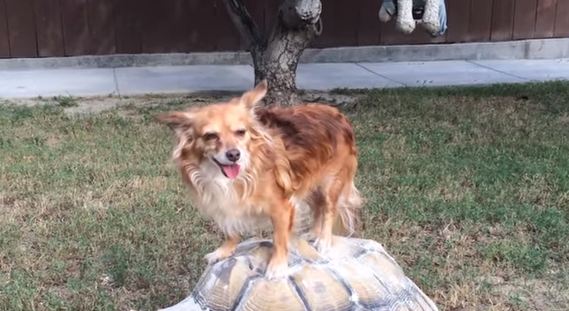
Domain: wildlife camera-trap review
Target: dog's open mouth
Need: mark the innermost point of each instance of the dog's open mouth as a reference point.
(230, 171)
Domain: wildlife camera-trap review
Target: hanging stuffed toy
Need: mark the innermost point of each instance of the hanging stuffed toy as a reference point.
(431, 14)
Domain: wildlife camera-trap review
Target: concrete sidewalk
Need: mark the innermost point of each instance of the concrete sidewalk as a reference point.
(316, 76)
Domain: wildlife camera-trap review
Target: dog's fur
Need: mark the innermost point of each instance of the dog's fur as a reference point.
(304, 153)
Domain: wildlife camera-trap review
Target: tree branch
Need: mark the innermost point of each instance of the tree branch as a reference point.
(244, 23)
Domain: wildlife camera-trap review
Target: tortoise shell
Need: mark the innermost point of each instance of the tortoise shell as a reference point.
(356, 274)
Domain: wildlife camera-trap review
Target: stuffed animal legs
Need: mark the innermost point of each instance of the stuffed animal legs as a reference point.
(433, 19)
(430, 19)
(405, 21)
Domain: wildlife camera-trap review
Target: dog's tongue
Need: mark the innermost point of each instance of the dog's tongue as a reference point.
(231, 171)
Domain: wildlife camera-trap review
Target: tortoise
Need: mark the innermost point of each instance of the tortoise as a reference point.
(356, 274)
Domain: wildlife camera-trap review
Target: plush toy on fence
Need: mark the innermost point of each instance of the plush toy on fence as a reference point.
(431, 14)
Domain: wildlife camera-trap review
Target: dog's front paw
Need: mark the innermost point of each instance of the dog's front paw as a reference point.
(277, 270)
(216, 256)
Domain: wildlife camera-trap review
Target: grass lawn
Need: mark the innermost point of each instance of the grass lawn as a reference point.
(468, 188)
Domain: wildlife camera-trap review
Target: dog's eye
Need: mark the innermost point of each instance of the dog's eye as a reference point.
(210, 136)
(240, 132)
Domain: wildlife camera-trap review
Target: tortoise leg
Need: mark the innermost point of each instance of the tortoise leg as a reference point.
(225, 250)
(282, 217)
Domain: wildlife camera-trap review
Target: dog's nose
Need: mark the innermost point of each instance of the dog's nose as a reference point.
(233, 155)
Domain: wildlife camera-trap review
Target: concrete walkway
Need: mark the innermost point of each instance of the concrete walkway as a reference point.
(321, 76)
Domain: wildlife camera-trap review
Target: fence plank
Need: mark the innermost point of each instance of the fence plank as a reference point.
(202, 32)
(368, 26)
(128, 29)
(21, 28)
(480, 21)
(222, 28)
(545, 18)
(388, 34)
(4, 39)
(339, 23)
(157, 30)
(49, 30)
(562, 19)
(30, 28)
(458, 13)
(184, 27)
(179, 26)
(502, 20)
(75, 27)
(100, 17)
(524, 19)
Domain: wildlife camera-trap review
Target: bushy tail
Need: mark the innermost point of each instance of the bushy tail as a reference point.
(349, 209)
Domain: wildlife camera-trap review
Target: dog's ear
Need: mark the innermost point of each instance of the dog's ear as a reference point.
(251, 98)
(176, 120)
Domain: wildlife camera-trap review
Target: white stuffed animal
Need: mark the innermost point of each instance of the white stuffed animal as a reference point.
(433, 20)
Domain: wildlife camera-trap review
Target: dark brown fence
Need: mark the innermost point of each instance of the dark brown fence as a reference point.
(43, 28)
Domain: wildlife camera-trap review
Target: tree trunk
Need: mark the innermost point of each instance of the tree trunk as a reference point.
(278, 61)
(276, 58)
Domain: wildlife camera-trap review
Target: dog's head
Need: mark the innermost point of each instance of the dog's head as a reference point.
(217, 137)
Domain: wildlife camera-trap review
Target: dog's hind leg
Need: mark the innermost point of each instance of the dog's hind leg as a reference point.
(317, 203)
(350, 201)
(329, 210)
(342, 204)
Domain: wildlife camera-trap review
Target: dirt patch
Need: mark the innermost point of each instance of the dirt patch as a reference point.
(531, 294)
(98, 104)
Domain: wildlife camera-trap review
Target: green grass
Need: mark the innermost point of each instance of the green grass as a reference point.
(467, 187)
(65, 101)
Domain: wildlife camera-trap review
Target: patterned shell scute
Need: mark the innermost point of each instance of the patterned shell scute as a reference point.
(356, 274)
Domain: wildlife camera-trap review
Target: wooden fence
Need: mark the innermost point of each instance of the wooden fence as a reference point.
(44, 28)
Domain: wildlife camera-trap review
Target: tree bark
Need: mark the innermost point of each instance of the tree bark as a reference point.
(276, 58)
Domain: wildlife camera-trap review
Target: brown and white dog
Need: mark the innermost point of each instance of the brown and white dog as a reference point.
(248, 166)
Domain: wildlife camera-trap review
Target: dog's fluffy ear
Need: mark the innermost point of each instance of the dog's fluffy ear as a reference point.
(176, 120)
(251, 98)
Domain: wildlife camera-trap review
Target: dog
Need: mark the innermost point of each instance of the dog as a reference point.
(249, 166)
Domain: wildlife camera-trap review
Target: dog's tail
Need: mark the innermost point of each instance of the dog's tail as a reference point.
(349, 209)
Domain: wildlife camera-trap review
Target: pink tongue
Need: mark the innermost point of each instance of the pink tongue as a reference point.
(231, 171)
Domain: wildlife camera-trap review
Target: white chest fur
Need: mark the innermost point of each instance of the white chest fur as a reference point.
(217, 199)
